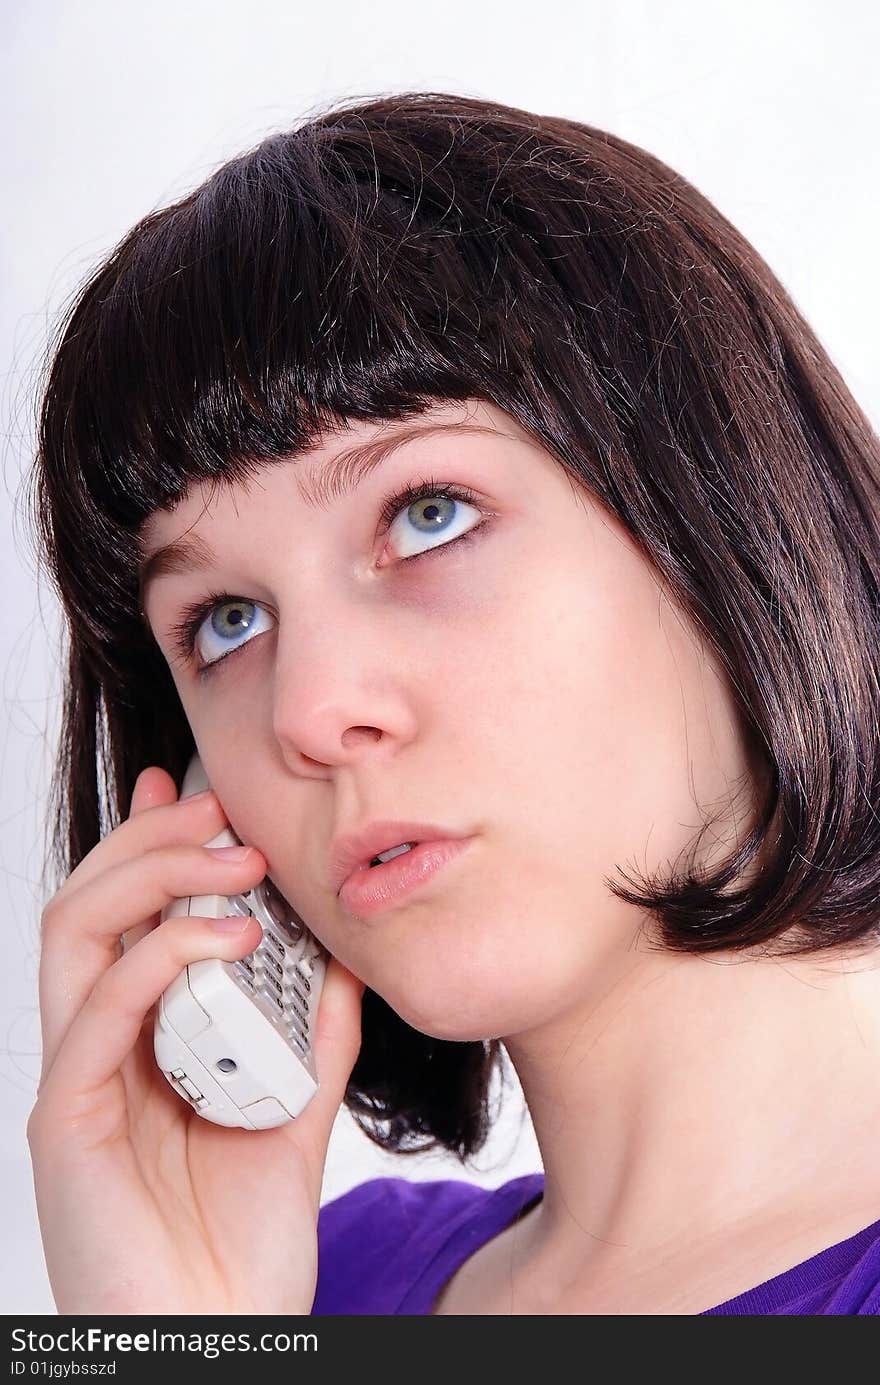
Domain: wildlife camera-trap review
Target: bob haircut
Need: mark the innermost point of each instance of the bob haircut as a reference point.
(399, 251)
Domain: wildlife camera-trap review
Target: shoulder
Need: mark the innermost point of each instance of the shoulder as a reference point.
(842, 1280)
(379, 1238)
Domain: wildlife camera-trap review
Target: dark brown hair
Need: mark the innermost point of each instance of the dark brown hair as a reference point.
(395, 252)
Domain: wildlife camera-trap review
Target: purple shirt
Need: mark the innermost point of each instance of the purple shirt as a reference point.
(389, 1245)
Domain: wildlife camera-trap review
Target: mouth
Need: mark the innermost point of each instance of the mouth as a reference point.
(380, 844)
(379, 884)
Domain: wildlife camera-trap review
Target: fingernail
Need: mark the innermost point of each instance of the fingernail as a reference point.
(233, 923)
(194, 797)
(231, 853)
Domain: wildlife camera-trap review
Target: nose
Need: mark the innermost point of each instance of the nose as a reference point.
(339, 694)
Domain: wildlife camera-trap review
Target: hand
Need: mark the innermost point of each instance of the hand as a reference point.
(144, 1206)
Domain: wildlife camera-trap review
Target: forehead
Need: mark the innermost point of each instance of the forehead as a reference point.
(326, 470)
(329, 470)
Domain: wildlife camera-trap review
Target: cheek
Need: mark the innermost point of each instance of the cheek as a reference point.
(563, 694)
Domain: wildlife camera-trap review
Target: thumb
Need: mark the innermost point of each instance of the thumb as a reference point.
(336, 1044)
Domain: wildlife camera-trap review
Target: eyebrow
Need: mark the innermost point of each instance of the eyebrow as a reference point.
(337, 478)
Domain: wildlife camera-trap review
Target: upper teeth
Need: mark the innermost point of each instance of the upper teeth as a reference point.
(392, 851)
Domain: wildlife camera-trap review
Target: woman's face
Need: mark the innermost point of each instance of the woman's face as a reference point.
(529, 685)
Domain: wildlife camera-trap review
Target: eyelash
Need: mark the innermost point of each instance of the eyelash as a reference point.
(183, 633)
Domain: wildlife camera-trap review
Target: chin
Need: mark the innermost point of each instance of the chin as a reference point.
(456, 1034)
(458, 1016)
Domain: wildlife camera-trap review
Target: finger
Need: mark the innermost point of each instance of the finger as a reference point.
(63, 981)
(151, 790)
(337, 1041)
(81, 937)
(106, 1028)
(153, 825)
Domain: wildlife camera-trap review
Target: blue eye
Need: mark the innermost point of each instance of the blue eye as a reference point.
(434, 514)
(222, 616)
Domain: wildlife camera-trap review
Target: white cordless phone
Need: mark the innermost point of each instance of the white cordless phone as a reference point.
(234, 1039)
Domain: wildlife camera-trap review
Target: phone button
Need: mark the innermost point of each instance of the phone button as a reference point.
(190, 1088)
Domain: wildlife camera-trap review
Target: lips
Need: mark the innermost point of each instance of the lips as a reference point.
(378, 889)
(356, 850)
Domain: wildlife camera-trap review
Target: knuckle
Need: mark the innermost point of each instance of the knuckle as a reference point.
(50, 919)
(34, 1123)
(164, 865)
(176, 855)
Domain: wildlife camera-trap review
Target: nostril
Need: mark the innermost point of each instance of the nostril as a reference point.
(355, 734)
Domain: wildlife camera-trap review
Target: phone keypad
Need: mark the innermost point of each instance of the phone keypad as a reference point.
(272, 964)
(275, 945)
(276, 975)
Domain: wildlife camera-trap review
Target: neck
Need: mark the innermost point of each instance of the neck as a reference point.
(699, 1097)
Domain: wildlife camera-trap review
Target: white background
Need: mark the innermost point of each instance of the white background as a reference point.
(111, 110)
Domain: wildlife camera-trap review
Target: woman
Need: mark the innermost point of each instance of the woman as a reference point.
(516, 499)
